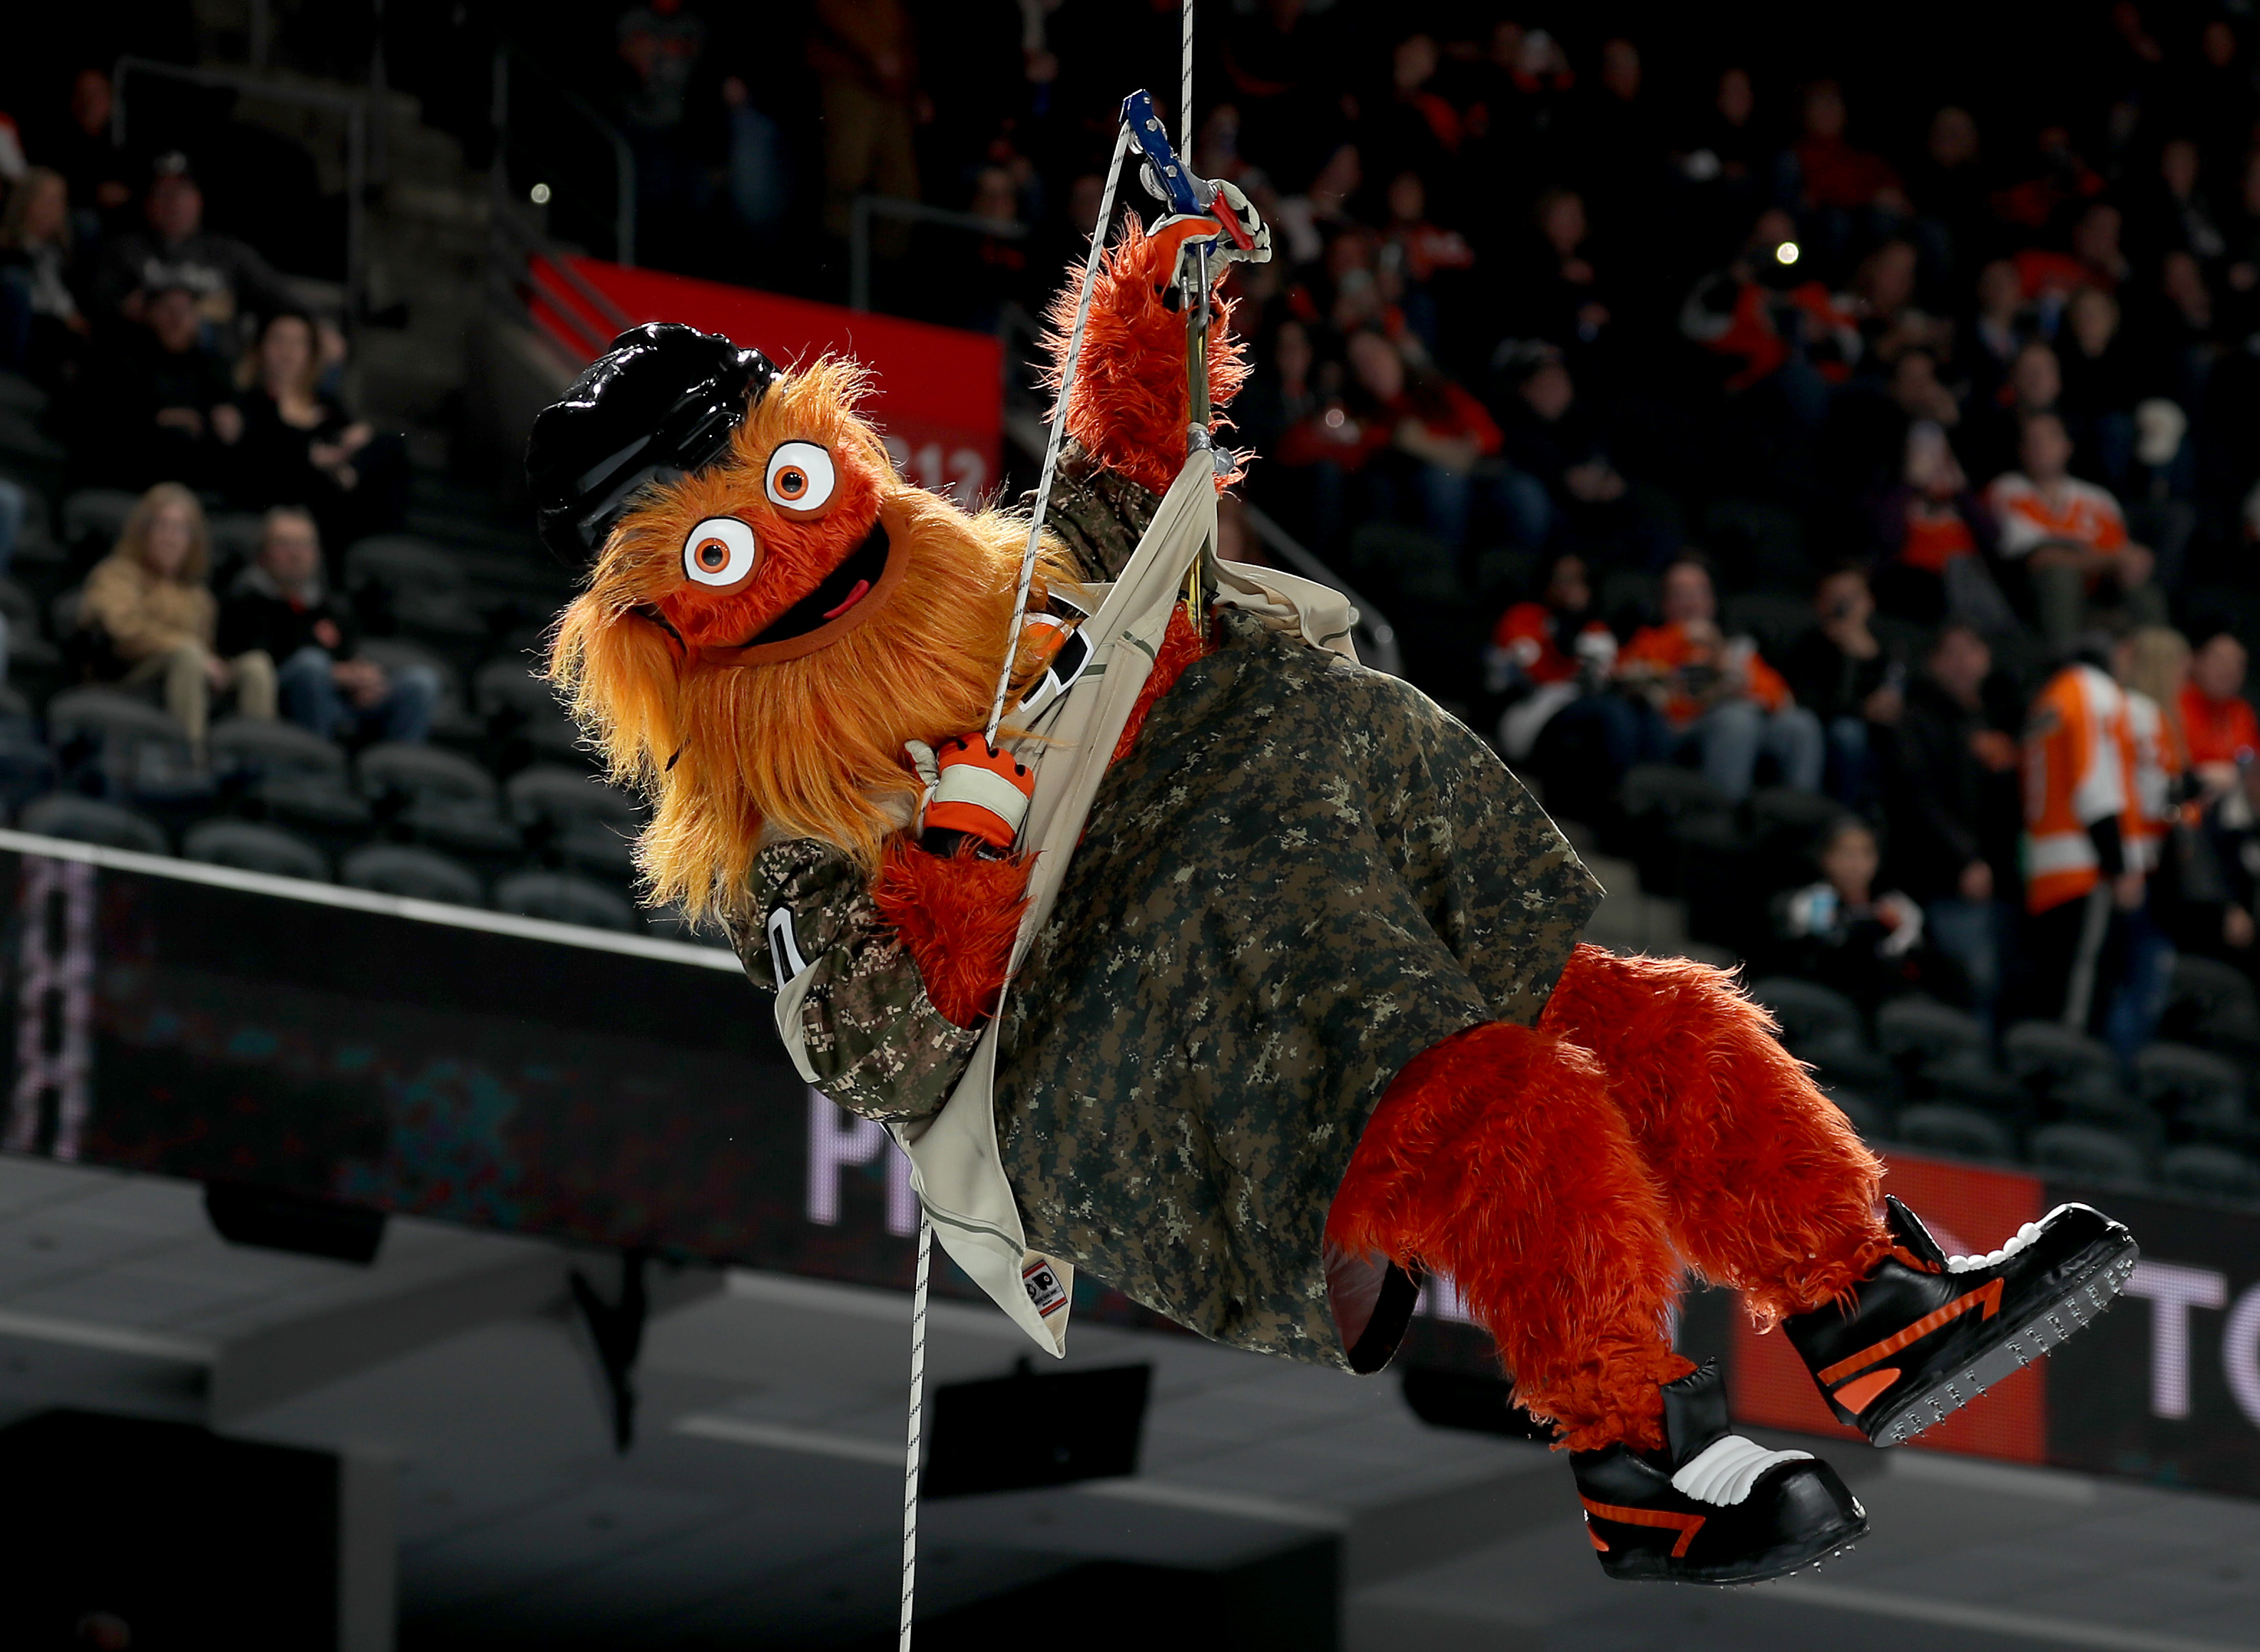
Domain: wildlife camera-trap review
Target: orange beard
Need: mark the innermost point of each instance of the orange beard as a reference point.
(805, 748)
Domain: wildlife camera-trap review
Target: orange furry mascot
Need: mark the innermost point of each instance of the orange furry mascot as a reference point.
(1309, 1016)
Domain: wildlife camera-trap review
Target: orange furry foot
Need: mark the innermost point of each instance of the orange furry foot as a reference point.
(957, 917)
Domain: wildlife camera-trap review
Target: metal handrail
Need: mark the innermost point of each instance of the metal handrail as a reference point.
(623, 206)
(521, 259)
(866, 207)
(352, 105)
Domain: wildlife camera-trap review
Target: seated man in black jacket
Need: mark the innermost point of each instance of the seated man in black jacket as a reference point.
(1955, 812)
(280, 604)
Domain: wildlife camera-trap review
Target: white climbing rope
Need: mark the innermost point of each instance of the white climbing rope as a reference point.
(1058, 428)
(995, 718)
(917, 1425)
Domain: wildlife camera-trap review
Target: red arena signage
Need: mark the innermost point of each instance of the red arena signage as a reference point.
(939, 393)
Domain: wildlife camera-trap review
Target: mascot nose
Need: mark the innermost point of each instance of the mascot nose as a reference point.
(661, 403)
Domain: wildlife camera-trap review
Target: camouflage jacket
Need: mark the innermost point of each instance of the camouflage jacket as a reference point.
(1303, 874)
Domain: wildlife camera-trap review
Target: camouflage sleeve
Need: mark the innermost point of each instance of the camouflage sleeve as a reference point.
(1099, 517)
(874, 1042)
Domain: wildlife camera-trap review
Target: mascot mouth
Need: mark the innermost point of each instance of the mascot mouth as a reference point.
(842, 601)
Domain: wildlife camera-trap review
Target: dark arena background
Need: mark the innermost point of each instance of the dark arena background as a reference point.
(1764, 424)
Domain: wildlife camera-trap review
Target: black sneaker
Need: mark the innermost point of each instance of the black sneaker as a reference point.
(1711, 1507)
(1926, 1333)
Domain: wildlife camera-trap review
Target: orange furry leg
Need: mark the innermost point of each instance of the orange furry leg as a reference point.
(1497, 1157)
(1766, 1187)
(957, 917)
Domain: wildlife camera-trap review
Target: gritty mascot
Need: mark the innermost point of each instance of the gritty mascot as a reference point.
(1307, 1013)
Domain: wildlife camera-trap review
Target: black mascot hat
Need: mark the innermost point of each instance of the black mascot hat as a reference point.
(660, 404)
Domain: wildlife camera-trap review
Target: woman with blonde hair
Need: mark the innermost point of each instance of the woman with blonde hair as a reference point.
(159, 619)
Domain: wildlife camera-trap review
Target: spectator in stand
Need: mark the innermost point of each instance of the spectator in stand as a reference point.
(1843, 675)
(1415, 433)
(2153, 669)
(156, 404)
(864, 54)
(1546, 655)
(1715, 696)
(2099, 386)
(2069, 536)
(2216, 719)
(1560, 293)
(154, 620)
(1841, 933)
(42, 333)
(2175, 214)
(2035, 385)
(1954, 809)
(1948, 189)
(660, 43)
(1845, 193)
(175, 251)
(1425, 258)
(1932, 537)
(1725, 162)
(1549, 444)
(2080, 883)
(2184, 326)
(280, 607)
(1883, 302)
(300, 446)
(83, 147)
(1997, 331)
(1769, 328)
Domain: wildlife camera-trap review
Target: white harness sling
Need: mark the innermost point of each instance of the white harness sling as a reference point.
(954, 1161)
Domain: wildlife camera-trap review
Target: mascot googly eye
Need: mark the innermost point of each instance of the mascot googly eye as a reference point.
(719, 551)
(800, 476)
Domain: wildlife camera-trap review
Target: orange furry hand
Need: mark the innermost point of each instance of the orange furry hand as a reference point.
(957, 917)
(1129, 405)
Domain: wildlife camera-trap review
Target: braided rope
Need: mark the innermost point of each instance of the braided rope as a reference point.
(1185, 92)
(917, 1424)
(1059, 429)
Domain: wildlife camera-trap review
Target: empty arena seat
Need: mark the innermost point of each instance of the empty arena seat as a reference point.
(254, 748)
(1808, 1012)
(405, 774)
(566, 899)
(1938, 1127)
(251, 848)
(1920, 1030)
(2211, 1171)
(388, 869)
(2087, 1152)
(551, 795)
(89, 820)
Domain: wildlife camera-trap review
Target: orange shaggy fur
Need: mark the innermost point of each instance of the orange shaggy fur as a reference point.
(1767, 1186)
(1128, 408)
(812, 747)
(958, 918)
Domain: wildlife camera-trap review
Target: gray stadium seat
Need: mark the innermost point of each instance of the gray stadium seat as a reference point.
(399, 562)
(1940, 1128)
(2086, 1152)
(566, 899)
(417, 874)
(1871, 1120)
(1808, 1012)
(1784, 815)
(2196, 1088)
(89, 820)
(93, 518)
(1970, 1080)
(260, 748)
(408, 773)
(250, 847)
(2056, 1059)
(509, 686)
(1920, 1030)
(2213, 1172)
(320, 805)
(1663, 788)
(550, 795)
(113, 726)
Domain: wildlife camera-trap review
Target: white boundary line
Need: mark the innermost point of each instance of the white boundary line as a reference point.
(110, 1339)
(744, 1431)
(363, 900)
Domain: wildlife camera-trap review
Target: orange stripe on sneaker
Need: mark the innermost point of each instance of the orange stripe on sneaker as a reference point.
(1685, 1524)
(1855, 1395)
(1989, 1298)
(1596, 1536)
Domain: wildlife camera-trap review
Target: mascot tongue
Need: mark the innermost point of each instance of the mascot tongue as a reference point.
(838, 592)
